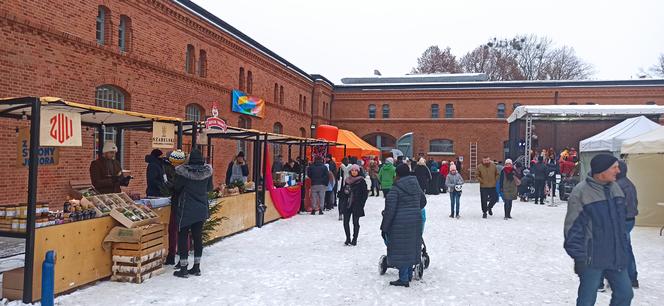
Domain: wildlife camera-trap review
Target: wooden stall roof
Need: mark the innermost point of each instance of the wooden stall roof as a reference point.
(90, 114)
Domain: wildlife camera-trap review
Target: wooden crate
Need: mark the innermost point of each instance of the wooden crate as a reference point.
(138, 261)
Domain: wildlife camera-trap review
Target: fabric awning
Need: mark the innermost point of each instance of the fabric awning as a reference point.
(650, 142)
(553, 112)
(612, 138)
(355, 146)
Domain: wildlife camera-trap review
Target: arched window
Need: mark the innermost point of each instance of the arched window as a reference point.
(241, 79)
(110, 97)
(202, 63)
(250, 82)
(501, 110)
(124, 33)
(103, 23)
(276, 93)
(281, 95)
(445, 146)
(190, 60)
(449, 110)
(303, 132)
(386, 111)
(194, 112)
(372, 111)
(245, 123)
(435, 111)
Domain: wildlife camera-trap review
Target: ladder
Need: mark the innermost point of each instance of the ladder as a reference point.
(472, 168)
(528, 140)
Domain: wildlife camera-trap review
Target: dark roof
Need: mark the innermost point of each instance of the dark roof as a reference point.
(417, 78)
(498, 85)
(248, 40)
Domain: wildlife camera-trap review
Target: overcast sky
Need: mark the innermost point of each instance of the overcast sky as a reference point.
(346, 38)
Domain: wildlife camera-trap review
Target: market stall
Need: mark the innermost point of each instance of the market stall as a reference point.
(75, 236)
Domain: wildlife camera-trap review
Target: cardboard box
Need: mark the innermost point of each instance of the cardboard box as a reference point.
(12, 294)
(12, 284)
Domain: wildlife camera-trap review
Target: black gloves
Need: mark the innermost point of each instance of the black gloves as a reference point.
(579, 267)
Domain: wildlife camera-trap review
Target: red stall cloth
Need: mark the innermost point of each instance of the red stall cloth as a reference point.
(286, 200)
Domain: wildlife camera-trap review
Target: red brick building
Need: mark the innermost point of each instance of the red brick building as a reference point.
(174, 58)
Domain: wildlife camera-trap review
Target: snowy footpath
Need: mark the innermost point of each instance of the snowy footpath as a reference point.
(474, 261)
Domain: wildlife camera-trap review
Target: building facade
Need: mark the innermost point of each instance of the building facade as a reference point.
(174, 58)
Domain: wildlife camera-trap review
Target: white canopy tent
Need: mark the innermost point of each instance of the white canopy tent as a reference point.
(645, 163)
(610, 140)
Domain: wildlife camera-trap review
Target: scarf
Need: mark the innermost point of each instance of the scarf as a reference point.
(352, 179)
(509, 170)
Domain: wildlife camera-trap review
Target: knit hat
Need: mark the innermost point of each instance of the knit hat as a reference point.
(355, 167)
(196, 158)
(240, 154)
(403, 170)
(109, 146)
(453, 168)
(176, 157)
(389, 160)
(601, 163)
(156, 153)
(508, 161)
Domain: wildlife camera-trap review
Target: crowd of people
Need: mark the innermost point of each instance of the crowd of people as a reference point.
(605, 202)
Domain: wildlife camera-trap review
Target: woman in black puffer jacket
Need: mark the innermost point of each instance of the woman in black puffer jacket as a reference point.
(351, 202)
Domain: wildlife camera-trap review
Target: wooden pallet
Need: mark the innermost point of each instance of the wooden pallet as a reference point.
(139, 261)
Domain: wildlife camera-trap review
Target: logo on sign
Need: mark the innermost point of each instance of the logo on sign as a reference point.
(215, 121)
(62, 128)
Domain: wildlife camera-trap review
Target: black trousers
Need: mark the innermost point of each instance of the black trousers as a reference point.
(552, 186)
(356, 225)
(196, 230)
(539, 190)
(508, 208)
(489, 197)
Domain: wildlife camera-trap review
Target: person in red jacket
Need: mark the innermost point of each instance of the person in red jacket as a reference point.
(566, 167)
(444, 171)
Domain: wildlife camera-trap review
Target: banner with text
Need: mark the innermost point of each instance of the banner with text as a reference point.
(48, 156)
(60, 129)
(163, 135)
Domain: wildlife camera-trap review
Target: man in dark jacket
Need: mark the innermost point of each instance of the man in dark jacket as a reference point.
(333, 168)
(595, 235)
(632, 203)
(552, 170)
(402, 224)
(175, 158)
(192, 183)
(278, 164)
(155, 174)
(106, 173)
(318, 174)
(540, 172)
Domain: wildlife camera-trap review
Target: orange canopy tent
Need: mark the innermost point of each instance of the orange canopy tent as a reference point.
(355, 146)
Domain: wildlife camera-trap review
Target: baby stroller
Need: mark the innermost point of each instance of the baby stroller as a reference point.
(418, 269)
(566, 186)
(527, 188)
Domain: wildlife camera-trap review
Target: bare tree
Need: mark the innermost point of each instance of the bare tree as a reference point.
(658, 69)
(563, 64)
(434, 60)
(495, 63)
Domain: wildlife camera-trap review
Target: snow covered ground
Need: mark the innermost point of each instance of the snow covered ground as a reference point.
(302, 261)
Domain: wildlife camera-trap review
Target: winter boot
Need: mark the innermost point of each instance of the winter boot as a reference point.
(196, 270)
(356, 232)
(320, 212)
(182, 272)
(372, 193)
(490, 212)
(484, 215)
(399, 283)
(457, 216)
(170, 260)
(452, 215)
(313, 212)
(347, 241)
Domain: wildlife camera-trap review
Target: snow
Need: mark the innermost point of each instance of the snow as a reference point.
(302, 261)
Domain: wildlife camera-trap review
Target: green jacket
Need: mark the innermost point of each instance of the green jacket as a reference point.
(386, 176)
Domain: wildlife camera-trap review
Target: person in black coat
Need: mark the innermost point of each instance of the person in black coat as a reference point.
(155, 175)
(351, 202)
(552, 169)
(423, 174)
(540, 172)
(402, 226)
(193, 181)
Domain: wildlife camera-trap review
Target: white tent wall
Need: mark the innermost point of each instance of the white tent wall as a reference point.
(612, 138)
(645, 171)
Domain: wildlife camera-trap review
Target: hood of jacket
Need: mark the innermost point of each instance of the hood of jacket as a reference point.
(194, 172)
(409, 185)
(151, 159)
(389, 166)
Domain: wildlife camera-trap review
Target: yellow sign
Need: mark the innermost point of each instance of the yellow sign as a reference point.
(163, 135)
(60, 129)
(48, 156)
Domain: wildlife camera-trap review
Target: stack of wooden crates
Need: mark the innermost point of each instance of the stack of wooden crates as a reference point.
(138, 261)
